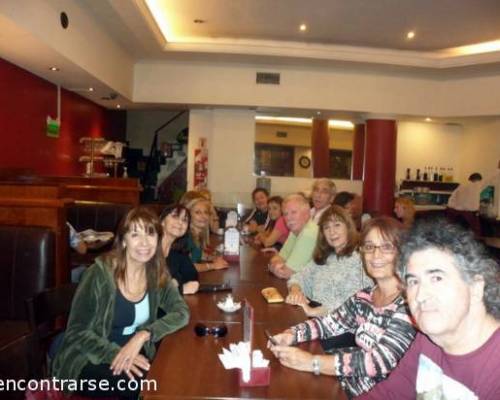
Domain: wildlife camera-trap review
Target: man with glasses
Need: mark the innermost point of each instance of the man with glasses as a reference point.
(452, 287)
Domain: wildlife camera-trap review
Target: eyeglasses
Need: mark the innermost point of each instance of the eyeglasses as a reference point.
(217, 331)
(385, 248)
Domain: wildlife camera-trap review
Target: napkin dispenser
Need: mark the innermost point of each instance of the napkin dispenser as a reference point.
(258, 377)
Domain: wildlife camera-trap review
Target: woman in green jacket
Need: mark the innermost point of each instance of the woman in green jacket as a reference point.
(114, 320)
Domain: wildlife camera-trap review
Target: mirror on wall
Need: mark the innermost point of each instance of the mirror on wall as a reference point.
(283, 147)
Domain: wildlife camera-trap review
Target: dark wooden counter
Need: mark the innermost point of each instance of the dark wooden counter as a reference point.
(187, 366)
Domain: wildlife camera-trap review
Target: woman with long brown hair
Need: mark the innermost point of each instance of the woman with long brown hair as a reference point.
(336, 271)
(113, 324)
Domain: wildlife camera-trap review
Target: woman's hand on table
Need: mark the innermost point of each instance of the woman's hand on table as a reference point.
(190, 287)
(296, 296)
(285, 338)
(293, 357)
(126, 357)
(281, 270)
(219, 263)
(259, 238)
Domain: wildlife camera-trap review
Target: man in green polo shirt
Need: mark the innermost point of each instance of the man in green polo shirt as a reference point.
(298, 248)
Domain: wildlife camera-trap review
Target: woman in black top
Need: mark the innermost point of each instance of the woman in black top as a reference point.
(175, 222)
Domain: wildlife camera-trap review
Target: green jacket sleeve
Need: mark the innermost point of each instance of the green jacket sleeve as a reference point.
(176, 313)
(89, 307)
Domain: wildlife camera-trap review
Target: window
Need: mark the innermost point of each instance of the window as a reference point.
(340, 164)
(274, 160)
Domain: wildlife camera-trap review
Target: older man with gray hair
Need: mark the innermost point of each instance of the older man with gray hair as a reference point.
(298, 248)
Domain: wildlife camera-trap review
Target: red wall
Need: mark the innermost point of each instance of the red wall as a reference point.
(25, 102)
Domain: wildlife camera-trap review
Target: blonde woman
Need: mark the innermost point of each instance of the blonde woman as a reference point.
(404, 209)
(198, 236)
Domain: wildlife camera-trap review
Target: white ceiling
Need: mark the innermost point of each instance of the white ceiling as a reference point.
(366, 24)
(361, 33)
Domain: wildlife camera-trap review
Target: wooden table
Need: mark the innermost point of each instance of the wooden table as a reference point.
(187, 366)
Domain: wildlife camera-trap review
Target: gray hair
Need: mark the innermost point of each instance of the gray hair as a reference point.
(470, 256)
(327, 182)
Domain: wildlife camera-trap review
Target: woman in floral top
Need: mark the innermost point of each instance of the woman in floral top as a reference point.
(378, 316)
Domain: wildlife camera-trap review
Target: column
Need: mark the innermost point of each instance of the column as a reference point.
(320, 141)
(380, 166)
(358, 151)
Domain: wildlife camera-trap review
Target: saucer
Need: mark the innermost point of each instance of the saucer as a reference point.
(233, 308)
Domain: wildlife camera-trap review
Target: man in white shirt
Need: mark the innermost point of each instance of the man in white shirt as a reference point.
(466, 197)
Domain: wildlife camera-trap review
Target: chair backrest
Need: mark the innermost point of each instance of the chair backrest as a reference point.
(45, 308)
(97, 216)
(27, 257)
(47, 312)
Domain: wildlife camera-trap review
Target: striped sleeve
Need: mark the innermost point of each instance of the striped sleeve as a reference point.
(384, 353)
(342, 320)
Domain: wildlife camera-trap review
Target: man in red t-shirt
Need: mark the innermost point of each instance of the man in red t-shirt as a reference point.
(453, 293)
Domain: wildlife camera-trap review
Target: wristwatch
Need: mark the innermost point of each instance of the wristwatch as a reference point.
(315, 366)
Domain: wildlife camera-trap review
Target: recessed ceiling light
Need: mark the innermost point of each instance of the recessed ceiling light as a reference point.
(199, 21)
(303, 27)
(54, 69)
(428, 119)
(410, 35)
(91, 89)
(118, 106)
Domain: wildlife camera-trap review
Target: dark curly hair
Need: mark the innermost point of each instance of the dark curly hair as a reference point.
(471, 257)
(323, 249)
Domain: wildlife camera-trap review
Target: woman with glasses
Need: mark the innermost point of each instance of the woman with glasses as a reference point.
(113, 325)
(336, 271)
(378, 316)
(175, 223)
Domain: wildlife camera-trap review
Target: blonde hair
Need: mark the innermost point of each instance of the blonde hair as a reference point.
(297, 197)
(200, 239)
(189, 196)
(409, 210)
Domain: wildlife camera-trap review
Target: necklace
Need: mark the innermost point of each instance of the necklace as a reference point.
(380, 300)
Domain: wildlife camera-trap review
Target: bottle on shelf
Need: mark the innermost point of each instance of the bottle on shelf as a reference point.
(441, 174)
(417, 177)
(436, 175)
(448, 177)
(408, 175)
(426, 175)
